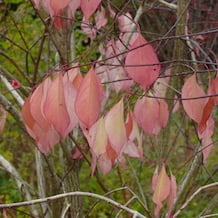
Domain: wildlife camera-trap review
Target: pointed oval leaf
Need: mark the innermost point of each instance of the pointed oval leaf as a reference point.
(89, 98)
(193, 107)
(172, 195)
(146, 113)
(162, 190)
(115, 127)
(88, 7)
(58, 5)
(142, 63)
(98, 137)
(55, 108)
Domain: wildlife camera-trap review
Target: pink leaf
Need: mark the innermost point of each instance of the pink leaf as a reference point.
(139, 55)
(58, 5)
(115, 127)
(193, 107)
(28, 118)
(88, 7)
(3, 115)
(100, 19)
(70, 93)
(172, 195)
(55, 108)
(98, 137)
(161, 190)
(46, 136)
(147, 114)
(89, 98)
(206, 114)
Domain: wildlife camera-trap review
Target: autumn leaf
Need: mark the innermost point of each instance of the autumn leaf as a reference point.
(142, 63)
(161, 190)
(193, 107)
(115, 127)
(89, 98)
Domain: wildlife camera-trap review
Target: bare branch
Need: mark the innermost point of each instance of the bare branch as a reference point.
(70, 194)
(21, 184)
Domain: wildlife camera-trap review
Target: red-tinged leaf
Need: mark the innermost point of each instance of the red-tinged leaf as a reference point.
(209, 130)
(111, 153)
(3, 115)
(129, 123)
(205, 136)
(88, 7)
(55, 108)
(206, 114)
(172, 195)
(193, 107)
(161, 190)
(28, 118)
(147, 115)
(115, 127)
(89, 98)
(164, 113)
(142, 55)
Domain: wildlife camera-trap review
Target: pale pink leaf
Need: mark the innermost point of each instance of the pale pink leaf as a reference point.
(172, 195)
(55, 108)
(193, 107)
(125, 22)
(58, 5)
(161, 190)
(147, 115)
(70, 93)
(105, 164)
(131, 150)
(100, 18)
(98, 137)
(142, 63)
(74, 5)
(88, 7)
(89, 98)
(36, 105)
(115, 127)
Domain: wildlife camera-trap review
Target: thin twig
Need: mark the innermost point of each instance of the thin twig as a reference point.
(70, 194)
(194, 195)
